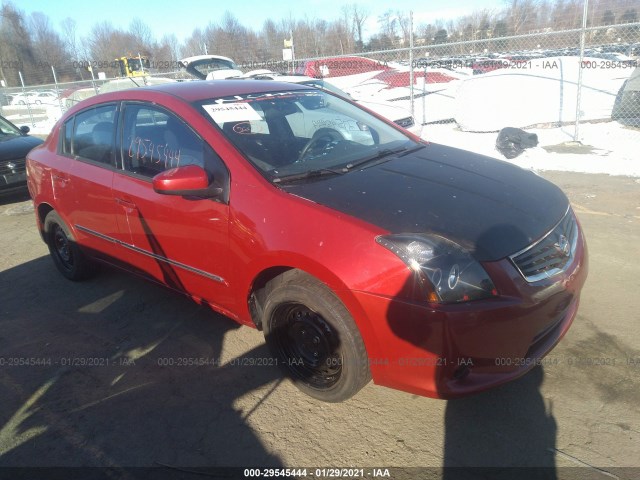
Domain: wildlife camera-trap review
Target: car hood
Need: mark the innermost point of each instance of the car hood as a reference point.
(488, 206)
(15, 147)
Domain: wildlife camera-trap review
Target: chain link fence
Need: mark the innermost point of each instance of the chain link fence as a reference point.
(472, 82)
(539, 79)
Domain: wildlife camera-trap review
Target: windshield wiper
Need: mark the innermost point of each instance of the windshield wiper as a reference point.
(378, 156)
(411, 150)
(387, 152)
(382, 154)
(308, 174)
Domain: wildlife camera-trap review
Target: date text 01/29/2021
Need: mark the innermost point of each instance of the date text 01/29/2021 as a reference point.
(317, 472)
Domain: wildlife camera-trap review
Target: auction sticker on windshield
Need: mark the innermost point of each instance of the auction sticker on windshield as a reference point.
(231, 112)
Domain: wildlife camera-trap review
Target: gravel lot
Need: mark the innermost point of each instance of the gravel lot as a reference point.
(111, 389)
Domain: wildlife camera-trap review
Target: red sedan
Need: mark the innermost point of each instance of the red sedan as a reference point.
(358, 249)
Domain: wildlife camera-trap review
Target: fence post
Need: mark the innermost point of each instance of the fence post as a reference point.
(424, 93)
(55, 81)
(583, 34)
(93, 79)
(411, 76)
(33, 124)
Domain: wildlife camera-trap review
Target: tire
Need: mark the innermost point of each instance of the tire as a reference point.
(66, 255)
(314, 338)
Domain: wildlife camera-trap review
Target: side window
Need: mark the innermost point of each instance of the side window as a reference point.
(93, 134)
(155, 140)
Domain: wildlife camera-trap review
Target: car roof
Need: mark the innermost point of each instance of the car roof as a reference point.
(204, 89)
(188, 92)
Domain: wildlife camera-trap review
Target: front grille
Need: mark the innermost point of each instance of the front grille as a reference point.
(12, 166)
(550, 255)
(405, 122)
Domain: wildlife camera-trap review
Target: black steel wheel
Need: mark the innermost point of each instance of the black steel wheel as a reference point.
(314, 338)
(309, 344)
(66, 255)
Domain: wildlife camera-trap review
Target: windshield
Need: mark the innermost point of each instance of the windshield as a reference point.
(7, 128)
(135, 64)
(290, 133)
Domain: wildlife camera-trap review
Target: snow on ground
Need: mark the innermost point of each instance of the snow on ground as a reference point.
(42, 128)
(614, 147)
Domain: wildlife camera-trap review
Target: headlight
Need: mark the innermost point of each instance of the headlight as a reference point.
(444, 269)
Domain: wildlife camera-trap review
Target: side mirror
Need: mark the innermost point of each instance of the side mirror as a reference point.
(188, 180)
(24, 129)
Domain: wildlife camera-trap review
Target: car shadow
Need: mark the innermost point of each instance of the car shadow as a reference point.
(117, 372)
(507, 432)
(504, 433)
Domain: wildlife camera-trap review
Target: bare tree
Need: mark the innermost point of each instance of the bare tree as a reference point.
(270, 41)
(70, 36)
(170, 42)
(629, 16)
(72, 45)
(194, 45)
(608, 18)
(404, 22)
(142, 38)
(18, 54)
(359, 15)
(522, 15)
(388, 25)
(48, 47)
(567, 14)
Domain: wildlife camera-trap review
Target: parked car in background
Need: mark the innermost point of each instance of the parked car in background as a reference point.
(5, 99)
(22, 98)
(46, 98)
(34, 98)
(358, 249)
(210, 67)
(396, 114)
(626, 108)
(15, 143)
(633, 50)
(339, 66)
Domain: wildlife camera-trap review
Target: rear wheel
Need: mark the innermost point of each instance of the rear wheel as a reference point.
(314, 338)
(66, 254)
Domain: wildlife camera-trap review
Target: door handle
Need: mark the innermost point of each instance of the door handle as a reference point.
(126, 204)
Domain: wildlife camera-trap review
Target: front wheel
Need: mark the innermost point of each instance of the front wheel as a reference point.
(314, 338)
(66, 255)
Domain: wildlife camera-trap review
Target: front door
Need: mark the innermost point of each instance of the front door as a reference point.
(181, 242)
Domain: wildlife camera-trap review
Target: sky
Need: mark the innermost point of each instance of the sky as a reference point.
(180, 18)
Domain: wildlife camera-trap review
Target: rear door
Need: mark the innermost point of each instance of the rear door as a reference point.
(181, 242)
(83, 186)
